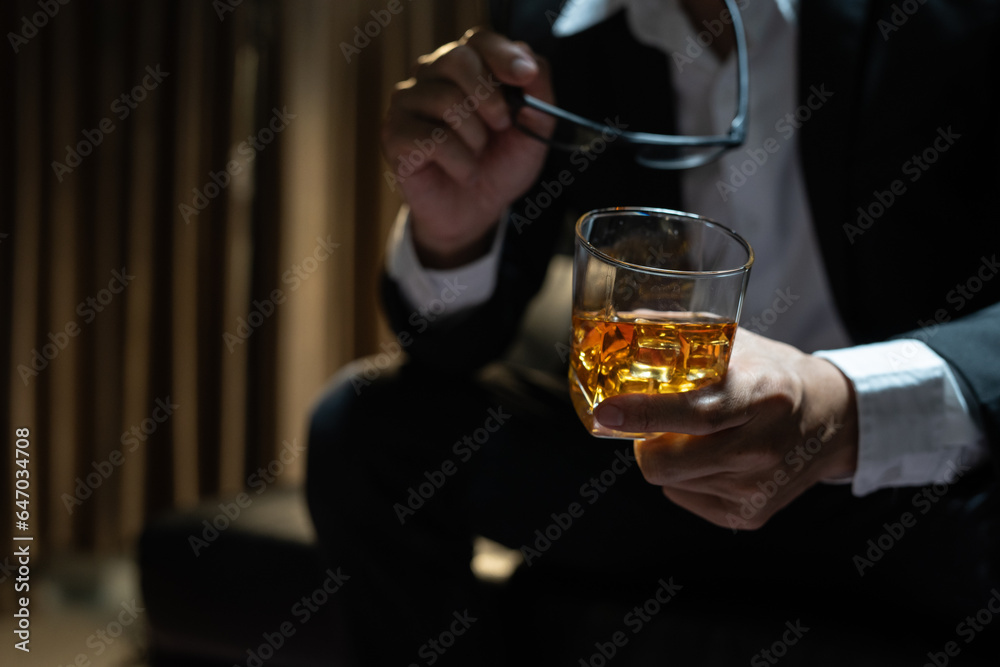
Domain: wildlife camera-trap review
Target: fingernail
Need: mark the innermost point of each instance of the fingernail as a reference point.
(609, 415)
(522, 67)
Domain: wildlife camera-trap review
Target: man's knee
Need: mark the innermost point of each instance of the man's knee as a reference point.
(356, 404)
(364, 419)
(351, 395)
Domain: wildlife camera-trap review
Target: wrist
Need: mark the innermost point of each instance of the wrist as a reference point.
(832, 410)
(449, 252)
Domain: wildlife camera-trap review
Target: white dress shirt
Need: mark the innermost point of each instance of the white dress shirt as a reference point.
(914, 423)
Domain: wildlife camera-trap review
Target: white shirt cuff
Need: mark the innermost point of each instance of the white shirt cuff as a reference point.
(436, 293)
(914, 425)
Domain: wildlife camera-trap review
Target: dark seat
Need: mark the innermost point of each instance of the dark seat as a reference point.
(239, 602)
(255, 592)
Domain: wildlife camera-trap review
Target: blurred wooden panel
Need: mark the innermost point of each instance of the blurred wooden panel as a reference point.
(188, 67)
(20, 252)
(139, 202)
(238, 259)
(316, 149)
(102, 250)
(307, 214)
(344, 221)
(61, 282)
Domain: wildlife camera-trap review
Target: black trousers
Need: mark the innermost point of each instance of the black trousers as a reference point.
(407, 466)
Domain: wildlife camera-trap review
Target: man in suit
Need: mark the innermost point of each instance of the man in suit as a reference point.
(848, 455)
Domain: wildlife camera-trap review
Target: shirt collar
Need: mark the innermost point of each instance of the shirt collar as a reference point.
(578, 15)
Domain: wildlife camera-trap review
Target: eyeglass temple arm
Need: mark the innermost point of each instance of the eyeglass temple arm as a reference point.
(516, 98)
(601, 128)
(742, 70)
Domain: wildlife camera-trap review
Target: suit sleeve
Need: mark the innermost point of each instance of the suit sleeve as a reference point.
(972, 346)
(465, 341)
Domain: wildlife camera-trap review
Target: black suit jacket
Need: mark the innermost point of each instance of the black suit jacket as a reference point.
(906, 90)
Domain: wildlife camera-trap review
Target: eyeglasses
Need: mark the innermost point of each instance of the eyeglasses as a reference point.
(658, 151)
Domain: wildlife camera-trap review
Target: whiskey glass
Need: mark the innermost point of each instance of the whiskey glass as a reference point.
(657, 296)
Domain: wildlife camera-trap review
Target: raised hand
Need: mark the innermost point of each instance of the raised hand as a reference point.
(448, 136)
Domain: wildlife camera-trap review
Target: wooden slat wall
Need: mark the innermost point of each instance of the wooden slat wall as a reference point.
(162, 337)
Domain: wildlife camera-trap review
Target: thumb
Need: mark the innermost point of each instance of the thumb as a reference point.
(707, 410)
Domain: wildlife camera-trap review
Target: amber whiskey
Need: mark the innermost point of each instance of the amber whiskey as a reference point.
(638, 355)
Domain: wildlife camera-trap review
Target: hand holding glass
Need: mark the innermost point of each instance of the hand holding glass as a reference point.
(656, 298)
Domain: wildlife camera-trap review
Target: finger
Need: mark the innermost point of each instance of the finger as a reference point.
(673, 458)
(707, 410)
(513, 63)
(711, 508)
(676, 457)
(751, 499)
(437, 101)
(722, 485)
(478, 65)
(541, 88)
(401, 145)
